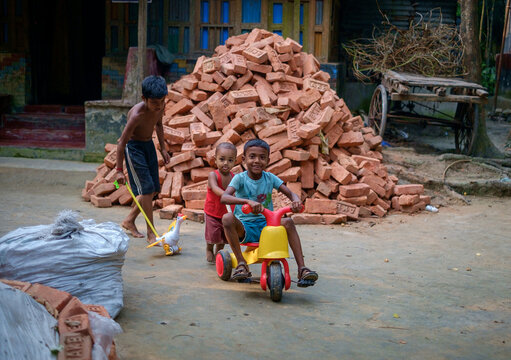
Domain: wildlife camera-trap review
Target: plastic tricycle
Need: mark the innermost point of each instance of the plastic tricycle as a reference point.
(271, 251)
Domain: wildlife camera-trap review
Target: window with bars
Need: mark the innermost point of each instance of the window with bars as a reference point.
(215, 24)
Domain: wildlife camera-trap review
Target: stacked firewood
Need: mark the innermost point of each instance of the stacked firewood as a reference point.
(259, 85)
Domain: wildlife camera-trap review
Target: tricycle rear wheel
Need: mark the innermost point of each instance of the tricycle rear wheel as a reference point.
(223, 265)
(275, 280)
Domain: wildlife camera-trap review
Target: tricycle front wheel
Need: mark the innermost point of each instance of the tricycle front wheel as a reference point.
(275, 280)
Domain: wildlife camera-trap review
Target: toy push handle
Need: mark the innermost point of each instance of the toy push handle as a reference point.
(272, 217)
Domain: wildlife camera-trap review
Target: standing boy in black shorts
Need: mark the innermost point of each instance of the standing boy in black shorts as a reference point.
(136, 145)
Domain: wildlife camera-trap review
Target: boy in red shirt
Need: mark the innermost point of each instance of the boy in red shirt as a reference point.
(225, 157)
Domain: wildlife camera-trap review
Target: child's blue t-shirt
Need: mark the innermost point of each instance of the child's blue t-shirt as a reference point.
(256, 190)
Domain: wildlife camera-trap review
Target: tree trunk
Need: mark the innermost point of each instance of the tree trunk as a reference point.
(482, 145)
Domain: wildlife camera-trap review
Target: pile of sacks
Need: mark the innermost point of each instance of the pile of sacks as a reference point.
(259, 85)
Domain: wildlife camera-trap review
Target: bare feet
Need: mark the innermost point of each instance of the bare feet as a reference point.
(209, 253)
(130, 226)
(150, 238)
(218, 247)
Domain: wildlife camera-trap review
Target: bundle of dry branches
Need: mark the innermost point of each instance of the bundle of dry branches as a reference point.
(425, 48)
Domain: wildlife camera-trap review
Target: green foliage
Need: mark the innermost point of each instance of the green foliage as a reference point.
(488, 77)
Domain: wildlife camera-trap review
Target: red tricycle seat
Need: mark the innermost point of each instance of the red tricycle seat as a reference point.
(250, 244)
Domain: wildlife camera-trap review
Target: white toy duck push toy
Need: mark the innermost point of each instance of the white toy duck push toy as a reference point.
(170, 240)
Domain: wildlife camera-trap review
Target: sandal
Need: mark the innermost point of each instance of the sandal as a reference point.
(306, 277)
(241, 272)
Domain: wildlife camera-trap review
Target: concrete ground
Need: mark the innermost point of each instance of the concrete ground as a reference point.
(444, 293)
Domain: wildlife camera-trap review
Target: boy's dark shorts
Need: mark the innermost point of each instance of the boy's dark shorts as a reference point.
(253, 230)
(214, 232)
(142, 165)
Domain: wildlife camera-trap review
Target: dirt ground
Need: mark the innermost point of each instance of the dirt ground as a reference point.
(443, 294)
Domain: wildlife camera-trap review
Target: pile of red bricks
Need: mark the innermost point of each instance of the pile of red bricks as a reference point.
(76, 337)
(259, 85)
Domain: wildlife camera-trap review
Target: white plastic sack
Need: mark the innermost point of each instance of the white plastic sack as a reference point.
(104, 330)
(27, 330)
(82, 258)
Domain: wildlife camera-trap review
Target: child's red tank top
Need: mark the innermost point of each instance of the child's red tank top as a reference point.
(213, 206)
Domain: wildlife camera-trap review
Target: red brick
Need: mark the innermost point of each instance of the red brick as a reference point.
(291, 174)
(355, 200)
(206, 120)
(167, 186)
(295, 187)
(426, 199)
(104, 189)
(308, 98)
(340, 174)
(303, 219)
(322, 169)
(211, 65)
(384, 204)
(307, 177)
(243, 96)
(279, 167)
(193, 214)
(320, 206)
(309, 130)
(193, 194)
(19, 285)
(188, 165)
(378, 210)
(100, 202)
(364, 212)
(173, 135)
(242, 80)
(350, 210)
(414, 208)
(177, 183)
(274, 157)
(181, 158)
(379, 190)
(170, 212)
(371, 197)
(198, 132)
(296, 155)
(324, 188)
(230, 136)
(350, 138)
(334, 219)
(263, 69)
(125, 199)
(359, 159)
(353, 190)
(75, 346)
(54, 300)
(409, 189)
(181, 107)
(409, 200)
(195, 204)
(310, 83)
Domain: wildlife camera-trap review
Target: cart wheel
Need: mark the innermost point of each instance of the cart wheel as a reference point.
(275, 280)
(223, 265)
(464, 133)
(378, 110)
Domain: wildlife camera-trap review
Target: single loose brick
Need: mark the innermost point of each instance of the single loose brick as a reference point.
(409, 200)
(322, 169)
(351, 138)
(206, 120)
(329, 219)
(256, 55)
(291, 174)
(193, 214)
(296, 155)
(320, 206)
(353, 190)
(279, 166)
(355, 200)
(307, 177)
(183, 106)
(340, 174)
(309, 130)
(174, 135)
(243, 96)
(409, 189)
(188, 165)
(310, 83)
(181, 158)
(170, 212)
(306, 219)
(350, 210)
(100, 202)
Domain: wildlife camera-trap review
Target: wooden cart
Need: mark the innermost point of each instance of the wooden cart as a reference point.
(399, 95)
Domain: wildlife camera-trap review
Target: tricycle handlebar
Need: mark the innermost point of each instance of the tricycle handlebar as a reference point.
(272, 217)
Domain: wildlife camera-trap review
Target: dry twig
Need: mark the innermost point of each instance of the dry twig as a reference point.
(425, 48)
